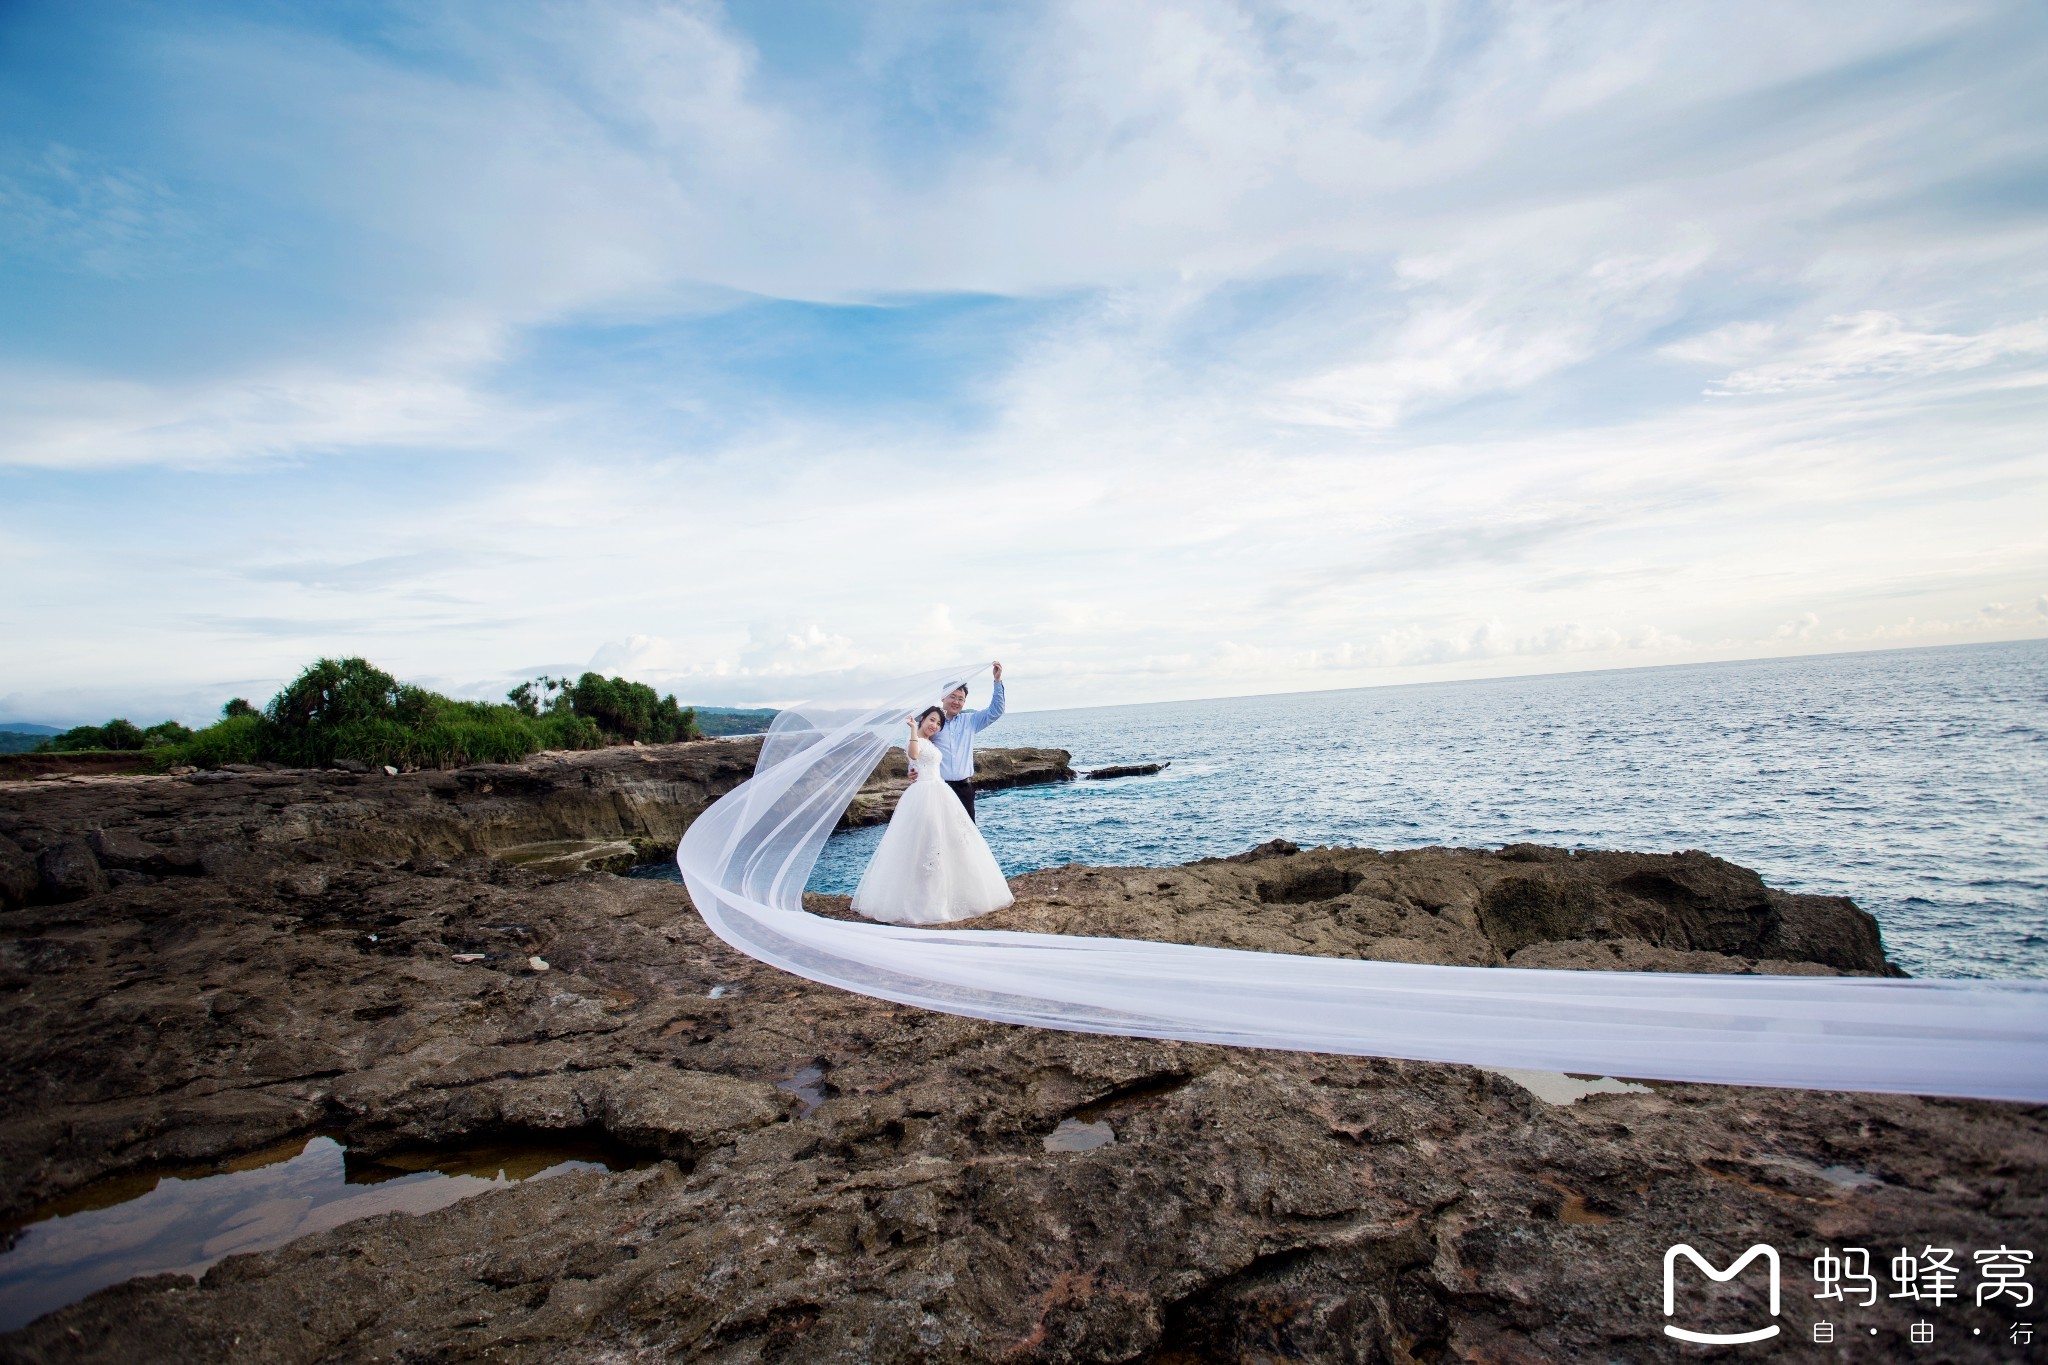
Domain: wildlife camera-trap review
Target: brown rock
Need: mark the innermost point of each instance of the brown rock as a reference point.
(18, 875)
(124, 850)
(1825, 929)
(1272, 848)
(1461, 907)
(68, 871)
(1246, 1204)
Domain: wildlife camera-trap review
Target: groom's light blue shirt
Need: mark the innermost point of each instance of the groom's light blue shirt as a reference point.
(956, 738)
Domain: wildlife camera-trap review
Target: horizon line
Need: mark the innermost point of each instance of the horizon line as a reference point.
(1555, 673)
(1386, 686)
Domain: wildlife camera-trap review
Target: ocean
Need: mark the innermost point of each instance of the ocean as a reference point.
(1913, 781)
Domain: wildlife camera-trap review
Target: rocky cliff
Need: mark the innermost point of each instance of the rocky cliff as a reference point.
(961, 1191)
(66, 836)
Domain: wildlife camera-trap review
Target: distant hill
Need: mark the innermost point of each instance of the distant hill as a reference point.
(727, 720)
(20, 737)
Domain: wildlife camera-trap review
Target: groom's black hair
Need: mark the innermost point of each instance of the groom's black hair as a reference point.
(951, 688)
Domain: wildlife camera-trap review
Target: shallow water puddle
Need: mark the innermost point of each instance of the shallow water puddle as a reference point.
(150, 1224)
(808, 1085)
(1841, 1177)
(1558, 1087)
(568, 856)
(1075, 1136)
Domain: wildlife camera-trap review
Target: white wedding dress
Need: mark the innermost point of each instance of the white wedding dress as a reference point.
(932, 865)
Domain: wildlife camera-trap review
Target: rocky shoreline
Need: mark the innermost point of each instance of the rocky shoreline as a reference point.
(195, 969)
(994, 770)
(566, 812)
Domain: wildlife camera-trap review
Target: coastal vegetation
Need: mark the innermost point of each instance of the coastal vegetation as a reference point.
(733, 720)
(626, 711)
(348, 711)
(118, 734)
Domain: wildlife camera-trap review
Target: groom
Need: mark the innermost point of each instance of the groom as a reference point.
(956, 738)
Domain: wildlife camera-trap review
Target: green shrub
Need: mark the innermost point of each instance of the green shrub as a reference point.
(349, 709)
(122, 734)
(539, 696)
(167, 733)
(321, 715)
(630, 710)
(621, 711)
(235, 739)
(563, 730)
(115, 734)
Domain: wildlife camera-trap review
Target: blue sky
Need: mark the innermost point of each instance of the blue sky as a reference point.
(1176, 350)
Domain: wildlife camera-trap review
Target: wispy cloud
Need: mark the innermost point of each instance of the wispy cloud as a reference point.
(1163, 350)
(1880, 345)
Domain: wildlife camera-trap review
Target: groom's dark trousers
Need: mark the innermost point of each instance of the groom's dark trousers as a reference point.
(964, 789)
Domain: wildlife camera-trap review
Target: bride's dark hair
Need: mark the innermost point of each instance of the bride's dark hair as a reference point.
(931, 711)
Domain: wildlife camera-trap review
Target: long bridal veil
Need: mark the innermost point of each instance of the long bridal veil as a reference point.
(746, 860)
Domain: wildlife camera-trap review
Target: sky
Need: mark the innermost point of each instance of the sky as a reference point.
(1160, 351)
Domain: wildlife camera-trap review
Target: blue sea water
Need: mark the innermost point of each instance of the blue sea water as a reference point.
(1914, 781)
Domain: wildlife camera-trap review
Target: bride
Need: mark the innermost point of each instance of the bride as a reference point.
(932, 865)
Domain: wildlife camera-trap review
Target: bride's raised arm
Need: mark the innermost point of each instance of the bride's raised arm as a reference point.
(910, 745)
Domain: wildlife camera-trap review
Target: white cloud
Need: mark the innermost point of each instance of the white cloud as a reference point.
(425, 393)
(1498, 320)
(1354, 374)
(2020, 613)
(1877, 344)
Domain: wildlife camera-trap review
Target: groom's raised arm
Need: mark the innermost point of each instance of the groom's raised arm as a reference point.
(993, 712)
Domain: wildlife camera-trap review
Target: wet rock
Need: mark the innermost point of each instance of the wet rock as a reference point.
(1116, 770)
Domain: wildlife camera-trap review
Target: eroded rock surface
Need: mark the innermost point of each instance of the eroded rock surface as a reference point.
(1523, 906)
(61, 839)
(1246, 1206)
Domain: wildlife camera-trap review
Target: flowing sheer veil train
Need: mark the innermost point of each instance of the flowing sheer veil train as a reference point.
(746, 860)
